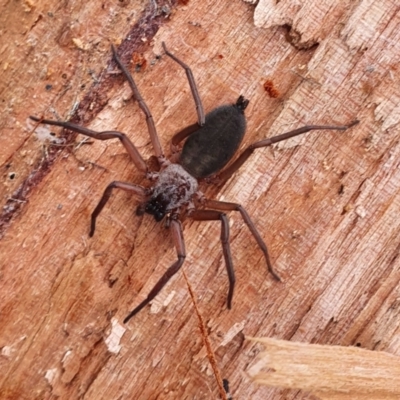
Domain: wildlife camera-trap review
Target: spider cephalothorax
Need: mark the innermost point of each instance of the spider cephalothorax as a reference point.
(173, 189)
(210, 145)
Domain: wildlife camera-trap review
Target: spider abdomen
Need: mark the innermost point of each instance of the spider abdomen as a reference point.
(213, 145)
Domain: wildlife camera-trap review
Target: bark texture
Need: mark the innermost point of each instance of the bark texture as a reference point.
(326, 204)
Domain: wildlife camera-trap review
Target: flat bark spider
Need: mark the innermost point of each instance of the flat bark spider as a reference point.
(210, 144)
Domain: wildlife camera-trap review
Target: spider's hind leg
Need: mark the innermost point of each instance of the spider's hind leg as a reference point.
(225, 206)
(212, 215)
(181, 135)
(199, 106)
(228, 172)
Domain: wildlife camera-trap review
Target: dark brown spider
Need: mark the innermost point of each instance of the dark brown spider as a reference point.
(210, 145)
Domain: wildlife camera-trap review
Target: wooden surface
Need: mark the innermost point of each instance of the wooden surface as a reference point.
(328, 208)
(347, 373)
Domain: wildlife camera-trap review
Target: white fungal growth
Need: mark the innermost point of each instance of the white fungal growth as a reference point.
(114, 338)
(233, 331)
(51, 375)
(6, 351)
(44, 134)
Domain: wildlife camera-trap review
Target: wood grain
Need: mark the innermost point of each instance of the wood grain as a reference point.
(329, 372)
(327, 205)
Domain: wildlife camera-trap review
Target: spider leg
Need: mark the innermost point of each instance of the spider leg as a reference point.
(227, 173)
(179, 243)
(211, 215)
(181, 135)
(106, 135)
(222, 205)
(129, 187)
(199, 106)
(149, 118)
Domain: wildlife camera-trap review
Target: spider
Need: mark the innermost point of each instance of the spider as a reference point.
(210, 145)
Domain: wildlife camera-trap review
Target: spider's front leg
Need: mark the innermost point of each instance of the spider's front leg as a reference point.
(129, 187)
(177, 237)
(106, 135)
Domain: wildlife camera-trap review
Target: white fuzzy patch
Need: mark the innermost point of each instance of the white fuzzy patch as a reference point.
(113, 339)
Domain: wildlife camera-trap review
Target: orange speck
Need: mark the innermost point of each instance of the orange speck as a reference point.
(270, 89)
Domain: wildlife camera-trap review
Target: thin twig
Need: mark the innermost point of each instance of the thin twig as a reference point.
(206, 341)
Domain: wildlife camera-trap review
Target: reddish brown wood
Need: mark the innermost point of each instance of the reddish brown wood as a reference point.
(328, 209)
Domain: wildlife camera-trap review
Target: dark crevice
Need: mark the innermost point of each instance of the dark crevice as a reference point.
(295, 39)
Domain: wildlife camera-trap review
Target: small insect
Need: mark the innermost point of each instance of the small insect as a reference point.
(210, 145)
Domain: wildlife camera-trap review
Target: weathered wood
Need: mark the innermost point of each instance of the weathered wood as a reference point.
(363, 374)
(328, 209)
(347, 373)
